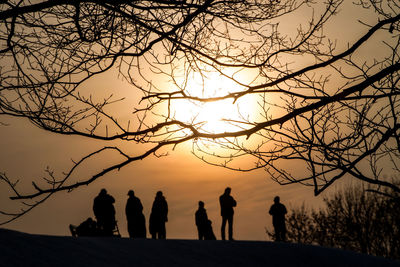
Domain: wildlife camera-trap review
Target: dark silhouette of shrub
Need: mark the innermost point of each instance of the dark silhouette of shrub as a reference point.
(352, 219)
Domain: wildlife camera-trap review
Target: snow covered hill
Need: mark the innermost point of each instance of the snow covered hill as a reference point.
(21, 249)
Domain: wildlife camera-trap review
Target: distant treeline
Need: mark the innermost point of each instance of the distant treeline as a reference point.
(351, 219)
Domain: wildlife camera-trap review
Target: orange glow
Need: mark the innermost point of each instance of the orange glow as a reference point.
(218, 116)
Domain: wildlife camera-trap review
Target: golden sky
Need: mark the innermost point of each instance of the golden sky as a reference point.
(183, 179)
(27, 151)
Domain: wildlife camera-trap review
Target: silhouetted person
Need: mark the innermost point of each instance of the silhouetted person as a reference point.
(103, 208)
(158, 217)
(87, 228)
(201, 219)
(227, 203)
(135, 217)
(278, 211)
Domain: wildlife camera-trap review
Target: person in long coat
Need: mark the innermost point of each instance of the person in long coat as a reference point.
(135, 217)
(104, 211)
(158, 217)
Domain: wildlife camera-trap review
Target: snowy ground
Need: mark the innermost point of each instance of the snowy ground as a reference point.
(20, 249)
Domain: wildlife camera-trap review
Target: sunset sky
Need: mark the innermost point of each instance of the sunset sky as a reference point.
(26, 152)
(183, 179)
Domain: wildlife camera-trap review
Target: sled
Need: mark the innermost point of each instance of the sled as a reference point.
(72, 228)
(94, 232)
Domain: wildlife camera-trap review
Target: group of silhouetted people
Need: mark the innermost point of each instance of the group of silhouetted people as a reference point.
(104, 211)
(106, 225)
(136, 220)
(227, 203)
(203, 224)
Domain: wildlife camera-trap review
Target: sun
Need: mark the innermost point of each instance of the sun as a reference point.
(216, 116)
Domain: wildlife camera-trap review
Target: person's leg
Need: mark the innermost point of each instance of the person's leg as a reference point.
(155, 230)
(163, 232)
(203, 232)
(142, 227)
(130, 229)
(283, 234)
(230, 225)
(199, 233)
(224, 219)
(277, 234)
(143, 231)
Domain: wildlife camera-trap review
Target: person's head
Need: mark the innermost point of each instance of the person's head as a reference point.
(277, 199)
(227, 191)
(103, 191)
(131, 193)
(201, 204)
(159, 194)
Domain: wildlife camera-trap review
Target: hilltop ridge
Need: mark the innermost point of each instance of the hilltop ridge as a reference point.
(21, 249)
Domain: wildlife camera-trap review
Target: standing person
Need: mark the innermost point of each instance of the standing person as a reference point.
(103, 208)
(158, 217)
(135, 217)
(227, 203)
(201, 219)
(278, 212)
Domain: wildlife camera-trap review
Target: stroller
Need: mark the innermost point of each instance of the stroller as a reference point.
(91, 228)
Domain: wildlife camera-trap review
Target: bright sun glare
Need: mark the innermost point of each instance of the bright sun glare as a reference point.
(213, 115)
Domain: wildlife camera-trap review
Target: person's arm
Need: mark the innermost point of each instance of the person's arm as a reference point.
(221, 205)
(166, 211)
(140, 205)
(196, 217)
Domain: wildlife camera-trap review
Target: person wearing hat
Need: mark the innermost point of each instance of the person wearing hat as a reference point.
(135, 217)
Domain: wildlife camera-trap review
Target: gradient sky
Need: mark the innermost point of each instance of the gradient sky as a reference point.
(26, 152)
(183, 178)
